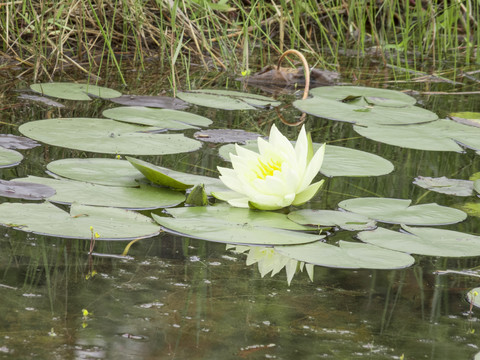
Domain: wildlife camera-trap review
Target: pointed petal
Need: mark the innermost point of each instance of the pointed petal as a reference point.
(313, 168)
(308, 193)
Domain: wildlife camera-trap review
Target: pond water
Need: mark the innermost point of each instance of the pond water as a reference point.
(173, 297)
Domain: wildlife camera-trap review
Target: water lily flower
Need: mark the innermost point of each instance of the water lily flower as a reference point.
(279, 175)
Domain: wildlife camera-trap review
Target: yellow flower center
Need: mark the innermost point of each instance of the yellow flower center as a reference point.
(267, 169)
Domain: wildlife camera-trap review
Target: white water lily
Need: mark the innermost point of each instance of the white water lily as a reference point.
(278, 176)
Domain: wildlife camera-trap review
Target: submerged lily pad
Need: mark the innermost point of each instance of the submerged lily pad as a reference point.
(73, 91)
(348, 255)
(161, 118)
(211, 224)
(107, 136)
(445, 185)
(225, 136)
(399, 211)
(27, 191)
(112, 172)
(467, 118)
(151, 101)
(9, 141)
(175, 179)
(342, 219)
(424, 241)
(227, 100)
(440, 135)
(47, 219)
(338, 160)
(364, 106)
(144, 197)
(9, 157)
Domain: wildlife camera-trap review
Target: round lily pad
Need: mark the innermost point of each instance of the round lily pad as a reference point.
(47, 219)
(445, 185)
(144, 197)
(365, 111)
(9, 157)
(151, 101)
(225, 136)
(342, 219)
(112, 172)
(230, 230)
(9, 141)
(399, 211)
(424, 241)
(73, 91)
(161, 118)
(440, 135)
(338, 160)
(107, 136)
(348, 255)
(227, 100)
(27, 191)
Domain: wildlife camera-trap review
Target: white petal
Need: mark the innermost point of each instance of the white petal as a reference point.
(301, 149)
(240, 202)
(279, 141)
(230, 179)
(313, 168)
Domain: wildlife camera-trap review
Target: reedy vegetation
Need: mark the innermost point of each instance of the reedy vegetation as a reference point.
(48, 36)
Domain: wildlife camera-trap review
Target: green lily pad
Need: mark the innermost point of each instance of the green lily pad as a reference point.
(344, 220)
(471, 208)
(227, 100)
(161, 118)
(47, 219)
(151, 101)
(399, 211)
(144, 197)
(467, 118)
(73, 91)
(111, 172)
(9, 141)
(107, 136)
(27, 191)
(440, 135)
(445, 185)
(364, 106)
(231, 230)
(476, 186)
(238, 216)
(175, 179)
(348, 255)
(374, 96)
(9, 157)
(338, 160)
(473, 297)
(424, 241)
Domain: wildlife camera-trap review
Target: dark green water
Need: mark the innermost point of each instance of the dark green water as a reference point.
(180, 298)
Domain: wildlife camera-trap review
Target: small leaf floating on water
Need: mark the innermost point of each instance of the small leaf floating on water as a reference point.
(445, 185)
(74, 91)
(27, 191)
(9, 141)
(467, 118)
(9, 157)
(151, 101)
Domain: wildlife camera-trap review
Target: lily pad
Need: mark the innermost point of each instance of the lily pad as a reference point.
(445, 185)
(73, 91)
(345, 220)
(238, 216)
(107, 136)
(151, 101)
(175, 179)
(348, 255)
(42, 99)
(473, 297)
(338, 160)
(144, 197)
(440, 135)
(476, 186)
(47, 219)
(112, 172)
(467, 118)
(225, 136)
(471, 208)
(364, 106)
(227, 100)
(374, 96)
(424, 241)
(231, 230)
(399, 211)
(9, 157)
(27, 191)
(161, 118)
(9, 141)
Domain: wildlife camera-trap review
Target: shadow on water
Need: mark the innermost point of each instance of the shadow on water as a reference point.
(176, 298)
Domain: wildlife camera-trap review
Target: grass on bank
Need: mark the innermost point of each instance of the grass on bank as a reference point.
(50, 36)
